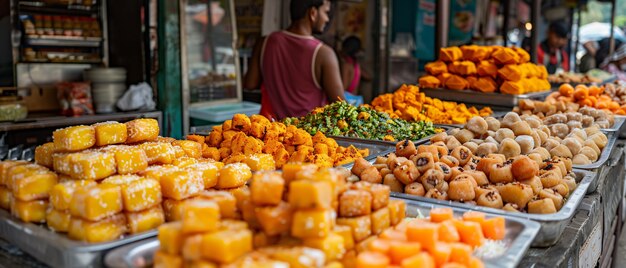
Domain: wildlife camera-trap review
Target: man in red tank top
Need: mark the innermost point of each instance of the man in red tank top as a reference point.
(295, 71)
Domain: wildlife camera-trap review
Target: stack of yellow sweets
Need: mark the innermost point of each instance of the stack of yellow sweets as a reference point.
(25, 189)
(289, 220)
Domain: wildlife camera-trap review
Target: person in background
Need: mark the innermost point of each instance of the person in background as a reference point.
(551, 52)
(351, 72)
(295, 71)
(616, 63)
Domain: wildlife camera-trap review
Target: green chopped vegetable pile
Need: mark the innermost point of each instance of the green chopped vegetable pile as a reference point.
(343, 119)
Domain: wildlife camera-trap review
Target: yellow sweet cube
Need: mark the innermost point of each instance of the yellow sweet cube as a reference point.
(180, 185)
(226, 246)
(29, 211)
(74, 138)
(304, 194)
(261, 240)
(208, 172)
(171, 237)
(201, 264)
(128, 159)
(332, 246)
(19, 172)
(61, 193)
(58, 221)
(156, 172)
(192, 247)
(138, 193)
(145, 220)
(275, 220)
(241, 194)
(200, 216)
(179, 152)
(335, 264)
(61, 163)
(380, 220)
(233, 225)
(96, 202)
(233, 175)
(143, 129)
(361, 226)
(267, 188)
(225, 200)
(397, 211)
(36, 185)
(173, 209)
(296, 257)
(158, 152)
(258, 162)
(5, 166)
(5, 197)
(185, 161)
(291, 169)
(312, 223)
(166, 260)
(191, 148)
(108, 133)
(345, 232)
(43, 154)
(91, 165)
(104, 230)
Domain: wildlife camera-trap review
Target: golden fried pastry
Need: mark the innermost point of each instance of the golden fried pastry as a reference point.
(505, 56)
(542, 206)
(510, 207)
(450, 161)
(550, 179)
(533, 122)
(504, 133)
(472, 146)
(512, 88)
(478, 125)
(517, 193)
(561, 151)
(599, 139)
(394, 184)
(463, 68)
(423, 162)
(526, 143)
(450, 54)
(429, 81)
(492, 124)
(445, 169)
(436, 67)
(405, 148)
(463, 136)
(486, 149)
(592, 130)
(490, 199)
(452, 143)
(562, 189)
(436, 194)
(570, 180)
(509, 148)
(510, 119)
(434, 179)
(536, 158)
(487, 69)
(501, 173)
(439, 137)
(591, 144)
(535, 184)
(573, 145)
(406, 172)
(372, 175)
(485, 163)
(429, 149)
(524, 168)
(484, 84)
(484, 189)
(461, 189)
(479, 177)
(359, 166)
(415, 188)
(551, 143)
(463, 154)
(456, 82)
(385, 171)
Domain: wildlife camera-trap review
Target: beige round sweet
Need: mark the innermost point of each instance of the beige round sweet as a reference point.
(559, 130)
(510, 119)
(542, 136)
(536, 138)
(536, 157)
(589, 153)
(452, 143)
(546, 130)
(587, 121)
(591, 144)
(599, 139)
(442, 136)
(464, 136)
(478, 125)
(486, 149)
(453, 132)
(603, 123)
(491, 140)
(574, 125)
(521, 128)
(573, 145)
(509, 148)
(574, 116)
(491, 133)
(492, 123)
(526, 143)
(545, 154)
(592, 130)
(472, 146)
(581, 159)
(551, 143)
(579, 133)
(533, 122)
(561, 151)
(504, 133)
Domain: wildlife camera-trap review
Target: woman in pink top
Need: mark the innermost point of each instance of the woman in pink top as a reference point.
(298, 72)
(351, 72)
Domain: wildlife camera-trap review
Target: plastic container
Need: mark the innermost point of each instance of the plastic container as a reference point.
(221, 113)
(12, 108)
(105, 75)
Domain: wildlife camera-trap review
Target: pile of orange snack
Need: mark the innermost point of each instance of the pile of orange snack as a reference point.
(438, 241)
(410, 104)
(486, 69)
(242, 136)
(592, 96)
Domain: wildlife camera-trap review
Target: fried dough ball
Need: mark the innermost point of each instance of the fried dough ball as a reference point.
(592, 130)
(521, 128)
(463, 154)
(561, 151)
(423, 162)
(550, 179)
(464, 136)
(533, 122)
(385, 171)
(589, 152)
(542, 206)
(430, 149)
(461, 189)
(526, 143)
(372, 175)
(492, 124)
(501, 173)
(579, 133)
(599, 139)
(485, 163)
(524, 168)
(543, 137)
(434, 179)
(450, 161)
(562, 189)
(504, 133)
(591, 144)
(479, 177)
(536, 138)
(573, 145)
(484, 189)
(581, 159)
(359, 166)
(534, 183)
(491, 139)
(574, 116)
(560, 130)
(445, 169)
(587, 121)
(472, 146)
(509, 148)
(536, 158)
(478, 125)
(550, 144)
(452, 143)
(510, 207)
(455, 172)
(436, 194)
(415, 188)
(490, 199)
(571, 182)
(510, 119)
(574, 125)
(394, 184)
(405, 148)
(406, 172)
(517, 193)
(442, 136)
(486, 148)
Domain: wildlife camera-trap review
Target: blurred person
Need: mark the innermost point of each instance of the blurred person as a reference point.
(551, 52)
(351, 72)
(616, 63)
(295, 71)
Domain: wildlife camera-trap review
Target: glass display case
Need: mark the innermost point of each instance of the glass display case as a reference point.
(210, 66)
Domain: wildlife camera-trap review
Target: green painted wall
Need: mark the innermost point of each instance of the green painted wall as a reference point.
(169, 75)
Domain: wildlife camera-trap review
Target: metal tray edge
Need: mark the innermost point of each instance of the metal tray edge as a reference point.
(612, 137)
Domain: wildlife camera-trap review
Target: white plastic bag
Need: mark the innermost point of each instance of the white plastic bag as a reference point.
(137, 97)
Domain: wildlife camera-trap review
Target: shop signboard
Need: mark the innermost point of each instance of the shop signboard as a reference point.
(462, 18)
(425, 30)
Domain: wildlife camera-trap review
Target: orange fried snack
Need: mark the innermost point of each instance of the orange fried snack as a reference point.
(462, 68)
(487, 68)
(505, 56)
(429, 81)
(510, 72)
(484, 84)
(436, 67)
(450, 54)
(457, 83)
(513, 88)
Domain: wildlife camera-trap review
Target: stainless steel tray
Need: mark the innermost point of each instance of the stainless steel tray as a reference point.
(56, 249)
(376, 147)
(495, 99)
(388, 143)
(520, 233)
(552, 225)
(617, 125)
(602, 162)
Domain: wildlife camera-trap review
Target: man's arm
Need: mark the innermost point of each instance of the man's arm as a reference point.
(329, 75)
(253, 77)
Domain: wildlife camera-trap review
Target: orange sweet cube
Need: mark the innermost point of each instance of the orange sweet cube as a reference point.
(107, 229)
(361, 226)
(399, 251)
(5, 197)
(61, 193)
(180, 185)
(296, 256)
(200, 216)
(173, 209)
(91, 165)
(108, 133)
(305, 194)
(171, 237)
(192, 247)
(166, 260)
(441, 214)
(422, 260)
(275, 220)
(427, 234)
(470, 232)
(248, 213)
(128, 159)
(371, 259)
(225, 200)
(201, 264)
(145, 220)
(226, 246)
(158, 152)
(312, 223)
(233, 225)
(156, 172)
(332, 246)
(441, 253)
(291, 169)
(380, 195)
(208, 172)
(460, 253)
(365, 244)
(96, 202)
(397, 211)
(74, 138)
(494, 228)
(29, 211)
(258, 162)
(58, 221)
(474, 216)
(43, 154)
(179, 152)
(35, 185)
(19, 172)
(267, 188)
(380, 220)
(233, 175)
(143, 129)
(138, 193)
(261, 240)
(354, 203)
(191, 148)
(447, 232)
(5, 166)
(242, 194)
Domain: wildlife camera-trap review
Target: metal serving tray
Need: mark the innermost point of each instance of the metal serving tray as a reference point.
(56, 249)
(495, 99)
(376, 147)
(388, 143)
(520, 233)
(617, 125)
(552, 225)
(602, 162)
